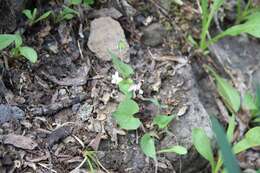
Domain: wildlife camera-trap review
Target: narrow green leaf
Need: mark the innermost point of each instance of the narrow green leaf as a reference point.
(175, 149)
(68, 16)
(202, 145)
(229, 158)
(258, 95)
(251, 139)
(28, 14)
(88, 2)
(34, 14)
(162, 120)
(231, 128)
(228, 93)
(29, 53)
(6, 40)
(68, 10)
(123, 69)
(44, 16)
(249, 102)
(148, 146)
(75, 2)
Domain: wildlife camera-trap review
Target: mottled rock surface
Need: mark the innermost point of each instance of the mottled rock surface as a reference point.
(105, 35)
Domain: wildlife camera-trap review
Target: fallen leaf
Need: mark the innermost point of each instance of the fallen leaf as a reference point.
(20, 141)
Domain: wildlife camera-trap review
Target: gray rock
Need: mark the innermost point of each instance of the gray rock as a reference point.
(105, 36)
(8, 112)
(153, 35)
(241, 56)
(7, 15)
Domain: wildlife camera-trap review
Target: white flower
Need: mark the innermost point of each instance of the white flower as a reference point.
(137, 88)
(116, 78)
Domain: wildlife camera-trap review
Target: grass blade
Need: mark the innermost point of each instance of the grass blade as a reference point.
(230, 161)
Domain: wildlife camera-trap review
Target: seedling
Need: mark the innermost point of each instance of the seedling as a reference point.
(202, 143)
(124, 115)
(65, 14)
(250, 25)
(228, 93)
(231, 96)
(19, 50)
(32, 16)
(252, 103)
(248, 9)
(148, 147)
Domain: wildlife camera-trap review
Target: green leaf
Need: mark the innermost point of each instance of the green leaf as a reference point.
(6, 40)
(228, 93)
(68, 16)
(123, 69)
(124, 86)
(175, 149)
(229, 158)
(28, 14)
(88, 2)
(75, 2)
(29, 53)
(44, 16)
(231, 128)
(249, 102)
(68, 10)
(202, 145)
(163, 120)
(251, 26)
(124, 114)
(18, 40)
(127, 107)
(34, 14)
(251, 139)
(128, 122)
(148, 146)
(258, 95)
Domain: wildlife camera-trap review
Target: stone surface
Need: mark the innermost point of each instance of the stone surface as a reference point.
(105, 36)
(7, 15)
(8, 112)
(153, 35)
(241, 56)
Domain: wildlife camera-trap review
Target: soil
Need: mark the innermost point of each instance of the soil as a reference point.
(66, 99)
